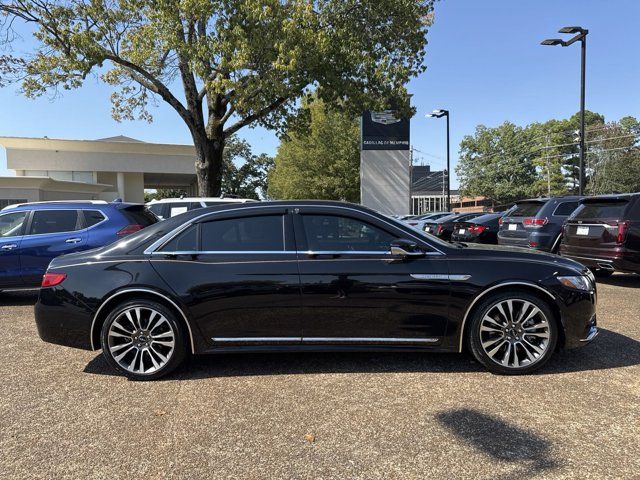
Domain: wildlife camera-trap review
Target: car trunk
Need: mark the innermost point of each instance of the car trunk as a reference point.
(598, 223)
(513, 225)
(464, 231)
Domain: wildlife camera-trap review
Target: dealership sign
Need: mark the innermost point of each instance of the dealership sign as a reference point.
(384, 131)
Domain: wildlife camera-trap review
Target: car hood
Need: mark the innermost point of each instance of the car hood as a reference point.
(520, 254)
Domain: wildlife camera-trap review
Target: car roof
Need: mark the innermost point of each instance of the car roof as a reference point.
(76, 204)
(202, 199)
(546, 199)
(610, 197)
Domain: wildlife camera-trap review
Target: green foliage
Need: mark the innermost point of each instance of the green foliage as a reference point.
(542, 159)
(225, 64)
(495, 163)
(249, 179)
(322, 164)
(614, 158)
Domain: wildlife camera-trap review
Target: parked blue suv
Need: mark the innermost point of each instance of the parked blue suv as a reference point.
(32, 234)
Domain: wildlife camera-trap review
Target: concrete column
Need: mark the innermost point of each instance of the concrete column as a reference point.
(120, 185)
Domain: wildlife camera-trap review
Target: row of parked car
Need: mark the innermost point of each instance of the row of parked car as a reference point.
(32, 234)
(601, 232)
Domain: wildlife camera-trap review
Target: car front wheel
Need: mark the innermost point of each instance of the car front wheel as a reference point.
(143, 340)
(513, 333)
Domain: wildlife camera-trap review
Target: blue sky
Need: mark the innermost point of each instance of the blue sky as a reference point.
(484, 63)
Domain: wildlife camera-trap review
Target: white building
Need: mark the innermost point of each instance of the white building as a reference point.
(105, 169)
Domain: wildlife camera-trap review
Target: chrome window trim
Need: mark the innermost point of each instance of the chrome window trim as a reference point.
(169, 235)
(225, 252)
(146, 290)
(484, 292)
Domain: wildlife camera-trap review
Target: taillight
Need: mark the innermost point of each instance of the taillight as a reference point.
(500, 221)
(535, 222)
(622, 232)
(52, 279)
(129, 229)
(477, 229)
(440, 229)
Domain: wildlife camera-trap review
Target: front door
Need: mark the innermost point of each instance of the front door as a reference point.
(237, 273)
(11, 230)
(50, 233)
(355, 291)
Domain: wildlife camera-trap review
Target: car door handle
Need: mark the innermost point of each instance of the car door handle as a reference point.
(73, 240)
(9, 246)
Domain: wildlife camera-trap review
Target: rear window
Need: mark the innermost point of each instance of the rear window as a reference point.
(526, 209)
(604, 210)
(139, 215)
(92, 217)
(565, 208)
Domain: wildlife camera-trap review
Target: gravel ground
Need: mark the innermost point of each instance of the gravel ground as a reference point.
(63, 414)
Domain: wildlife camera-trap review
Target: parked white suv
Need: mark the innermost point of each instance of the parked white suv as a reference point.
(170, 207)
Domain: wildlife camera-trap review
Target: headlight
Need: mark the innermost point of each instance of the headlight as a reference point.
(578, 282)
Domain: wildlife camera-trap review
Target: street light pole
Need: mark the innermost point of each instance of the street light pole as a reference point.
(581, 37)
(439, 114)
(583, 62)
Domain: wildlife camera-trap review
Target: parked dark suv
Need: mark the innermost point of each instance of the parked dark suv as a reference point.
(604, 234)
(537, 223)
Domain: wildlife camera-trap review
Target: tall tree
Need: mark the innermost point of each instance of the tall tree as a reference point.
(244, 174)
(496, 163)
(225, 64)
(322, 163)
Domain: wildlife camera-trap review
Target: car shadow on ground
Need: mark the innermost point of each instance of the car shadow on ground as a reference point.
(529, 453)
(609, 350)
(18, 299)
(629, 280)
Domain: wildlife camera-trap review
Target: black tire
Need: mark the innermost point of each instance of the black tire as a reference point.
(600, 273)
(153, 348)
(530, 335)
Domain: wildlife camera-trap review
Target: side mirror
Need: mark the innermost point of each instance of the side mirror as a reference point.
(405, 248)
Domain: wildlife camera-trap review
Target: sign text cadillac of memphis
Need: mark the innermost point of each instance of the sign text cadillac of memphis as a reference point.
(384, 131)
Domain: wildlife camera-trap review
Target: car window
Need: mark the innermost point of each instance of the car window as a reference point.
(156, 209)
(177, 208)
(526, 209)
(186, 241)
(339, 234)
(565, 208)
(260, 233)
(139, 215)
(11, 224)
(92, 217)
(602, 211)
(194, 205)
(53, 221)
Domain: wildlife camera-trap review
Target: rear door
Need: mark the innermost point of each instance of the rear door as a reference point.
(49, 234)
(237, 272)
(512, 227)
(11, 229)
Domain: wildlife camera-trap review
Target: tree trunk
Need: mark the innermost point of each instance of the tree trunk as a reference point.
(208, 163)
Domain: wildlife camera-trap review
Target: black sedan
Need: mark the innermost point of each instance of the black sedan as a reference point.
(482, 229)
(310, 276)
(443, 227)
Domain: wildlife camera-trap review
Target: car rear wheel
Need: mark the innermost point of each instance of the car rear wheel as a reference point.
(143, 340)
(513, 333)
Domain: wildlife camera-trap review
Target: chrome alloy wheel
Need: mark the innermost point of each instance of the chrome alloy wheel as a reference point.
(515, 333)
(141, 340)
